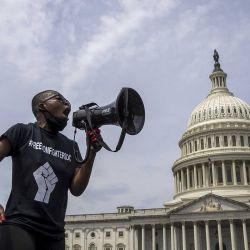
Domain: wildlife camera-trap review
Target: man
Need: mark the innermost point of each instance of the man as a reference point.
(44, 169)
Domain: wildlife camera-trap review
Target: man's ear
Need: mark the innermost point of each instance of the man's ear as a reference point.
(41, 107)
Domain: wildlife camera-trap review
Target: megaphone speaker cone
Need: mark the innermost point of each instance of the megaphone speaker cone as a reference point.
(135, 110)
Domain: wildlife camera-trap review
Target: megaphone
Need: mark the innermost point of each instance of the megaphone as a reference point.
(127, 111)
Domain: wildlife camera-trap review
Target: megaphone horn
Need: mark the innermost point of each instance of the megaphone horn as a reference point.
(127, 111)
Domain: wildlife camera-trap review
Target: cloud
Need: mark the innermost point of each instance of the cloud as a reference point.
(113, 30)
(24, 27)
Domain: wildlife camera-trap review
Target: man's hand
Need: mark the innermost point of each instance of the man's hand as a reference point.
(93, 138)
(2, 216)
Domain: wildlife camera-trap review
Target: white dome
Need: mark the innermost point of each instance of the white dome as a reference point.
(220, 105)
(215, 149)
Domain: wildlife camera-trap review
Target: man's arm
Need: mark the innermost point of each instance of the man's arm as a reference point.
(5, 147)
(82, 174)
(81, 177)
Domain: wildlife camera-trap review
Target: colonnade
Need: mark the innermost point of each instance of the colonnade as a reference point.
(213, 174)
(177, 239)
(215, 141)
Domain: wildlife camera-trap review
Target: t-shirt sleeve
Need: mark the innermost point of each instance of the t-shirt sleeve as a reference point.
(17, 136)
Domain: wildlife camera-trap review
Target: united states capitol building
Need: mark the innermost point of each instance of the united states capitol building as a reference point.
(210, 209)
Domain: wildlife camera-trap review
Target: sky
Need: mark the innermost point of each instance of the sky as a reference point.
(89, 50)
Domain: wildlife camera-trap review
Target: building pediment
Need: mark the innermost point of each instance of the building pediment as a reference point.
(211, 203)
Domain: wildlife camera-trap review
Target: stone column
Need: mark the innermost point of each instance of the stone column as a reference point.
(178, 182)
(132, 237)
(224, 173)
(245, 172)
(234, 174)
(219, 235)
(85, 241)
(204, 174)
(175, 238)
(175, 183)
(196, 247)
(208, 175)
(128, 236)
(213, 173)
(207, 235)
(182, 180)
(233, 243)
(153, 237)
(143, 237)
(115, 237)
(195, 176)
(244, 227)
(136, 240)
(184, 242)
(164, 237)
(70, 238)
(188, 178)
(172, 237)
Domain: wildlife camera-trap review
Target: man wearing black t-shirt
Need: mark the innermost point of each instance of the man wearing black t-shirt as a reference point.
(44, 169)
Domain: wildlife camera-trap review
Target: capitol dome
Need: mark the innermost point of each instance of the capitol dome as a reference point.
(215, 148)
(219, 104)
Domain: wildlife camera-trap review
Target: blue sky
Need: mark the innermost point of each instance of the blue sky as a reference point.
(89, 50)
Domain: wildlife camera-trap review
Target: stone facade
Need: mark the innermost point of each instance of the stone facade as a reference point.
(210, 209)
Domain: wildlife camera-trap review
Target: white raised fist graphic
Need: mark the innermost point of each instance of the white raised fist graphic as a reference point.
(46, 181)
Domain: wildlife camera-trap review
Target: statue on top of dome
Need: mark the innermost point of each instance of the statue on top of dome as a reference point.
(216, 56)
(216, 59)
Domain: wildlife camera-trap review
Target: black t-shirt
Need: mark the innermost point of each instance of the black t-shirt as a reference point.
(43, 166)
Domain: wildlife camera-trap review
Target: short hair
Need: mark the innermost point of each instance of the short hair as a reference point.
(40, 98)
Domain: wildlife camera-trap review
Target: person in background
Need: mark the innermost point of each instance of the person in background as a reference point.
(44, 168)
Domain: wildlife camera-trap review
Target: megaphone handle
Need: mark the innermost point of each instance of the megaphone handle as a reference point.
(100, 140)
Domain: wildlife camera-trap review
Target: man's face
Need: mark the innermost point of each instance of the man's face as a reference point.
(57, 105)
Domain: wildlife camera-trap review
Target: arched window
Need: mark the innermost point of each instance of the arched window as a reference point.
(238, 169)
(202, 144)
(235, 111)
(195, 146)
(219, 173)
(190, 147)
(76, 247)
(209, 142)
(242, 143)
(120, 246)
(217, 141)
(107, 247)
(225, 141)
(228, 166)
(92, 247)
(233, 140)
